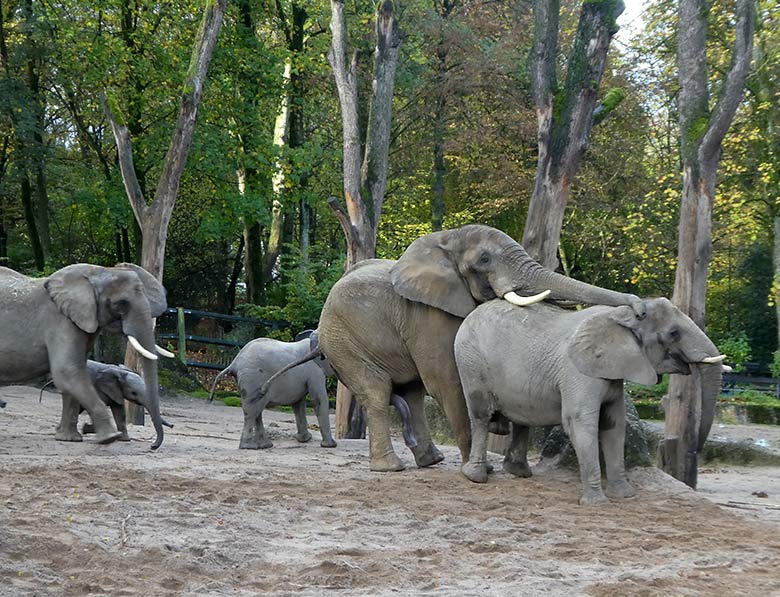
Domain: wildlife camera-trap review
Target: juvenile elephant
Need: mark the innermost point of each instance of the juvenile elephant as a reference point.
(544, 365)
(255, 364)
(49, 325)
(114, 385)
(388, 327)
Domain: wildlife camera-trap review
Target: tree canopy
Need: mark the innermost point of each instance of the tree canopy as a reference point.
(463, 148)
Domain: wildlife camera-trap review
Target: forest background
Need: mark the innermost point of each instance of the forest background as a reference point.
(267, 150)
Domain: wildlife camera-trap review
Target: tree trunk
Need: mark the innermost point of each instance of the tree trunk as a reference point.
(439, 167)
(701, 135)
(565, 117)
(154, 218)
(365, 174)
(29, 213)
(776, 263)
(237, 266)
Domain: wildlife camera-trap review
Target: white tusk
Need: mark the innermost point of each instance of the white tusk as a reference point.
(524, 301)
(165, 353)
(140, 349)
(727, 369)
(717, 359)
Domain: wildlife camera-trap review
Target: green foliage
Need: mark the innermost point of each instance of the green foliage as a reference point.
(737, 350)
(774, 368)
(302, 296)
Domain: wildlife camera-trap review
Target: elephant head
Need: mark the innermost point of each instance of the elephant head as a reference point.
(618, 344)
(124, 298)
(454, 270)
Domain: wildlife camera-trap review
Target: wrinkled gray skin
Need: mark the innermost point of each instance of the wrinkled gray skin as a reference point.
(114, 385)
(48, 325)
(542, 365)
(255, 364)
(388, 327)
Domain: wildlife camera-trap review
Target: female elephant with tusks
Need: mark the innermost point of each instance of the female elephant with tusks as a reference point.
(545, 366)
(49, 325)
(388, 327)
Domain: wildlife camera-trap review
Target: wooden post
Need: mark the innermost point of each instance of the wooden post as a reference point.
(181, 332)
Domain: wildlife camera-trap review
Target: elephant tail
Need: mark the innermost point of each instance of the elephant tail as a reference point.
(266, 386)
(46, 385)
(216, 379)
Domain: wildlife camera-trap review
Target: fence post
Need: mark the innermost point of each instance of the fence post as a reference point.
(182, 333)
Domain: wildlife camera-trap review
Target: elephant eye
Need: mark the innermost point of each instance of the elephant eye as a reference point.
(484, 259)
(674, 334)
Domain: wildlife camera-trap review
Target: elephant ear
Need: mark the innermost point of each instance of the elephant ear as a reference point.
(72, 291)
(154, 291)
(604, 346)
(427, 274)
(109, 387)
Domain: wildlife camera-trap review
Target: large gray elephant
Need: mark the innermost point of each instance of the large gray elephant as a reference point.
(255, 364)
(48, 325)
(115, 384)
(388, 327)
(544, 366)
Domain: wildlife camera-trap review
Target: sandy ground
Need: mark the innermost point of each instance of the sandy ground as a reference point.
(200, 517)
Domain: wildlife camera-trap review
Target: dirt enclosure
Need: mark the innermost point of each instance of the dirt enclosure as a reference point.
(203, 518)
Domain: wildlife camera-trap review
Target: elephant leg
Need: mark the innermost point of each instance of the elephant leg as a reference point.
(118, 410)
(582, 428)
(373, 392)
(612, 433)
(516, 458)
(480, 411)
(74, 380)
(445, 387)
(248, 440)
(299, 408)
(67, 430)
(261, 438)
(425, 452)
(319, 398)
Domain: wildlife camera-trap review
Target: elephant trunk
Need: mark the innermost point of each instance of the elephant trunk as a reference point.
(141, 329)
(702, 353)
(711, 378)
(532, 277)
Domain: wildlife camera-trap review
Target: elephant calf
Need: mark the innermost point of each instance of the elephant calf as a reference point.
(255, 364)
(114, 385)
(542, 365)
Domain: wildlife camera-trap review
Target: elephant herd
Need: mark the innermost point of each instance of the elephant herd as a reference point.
(457, 317)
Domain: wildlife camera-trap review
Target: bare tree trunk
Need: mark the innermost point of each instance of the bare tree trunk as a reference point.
(29, 211)
(365, 174)
(565, 117)
(701, 135)
(775, 262)
(154, 218)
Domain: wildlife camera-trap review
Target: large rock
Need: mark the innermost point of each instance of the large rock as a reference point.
(556, 449)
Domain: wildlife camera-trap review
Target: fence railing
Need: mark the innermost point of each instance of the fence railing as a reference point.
(229, 332)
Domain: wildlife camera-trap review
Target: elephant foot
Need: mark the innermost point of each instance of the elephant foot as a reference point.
(107, 438)
(68, 436)
(389, 463)
(303, 437)
(427, 456)
(620, 489)
(475, 471)
(517, 468)
(591, 498)
(89, 429)
(328, 443)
